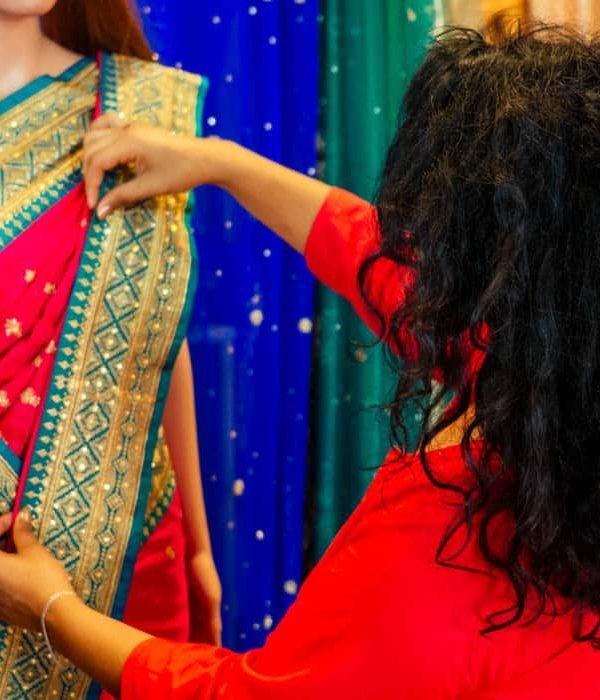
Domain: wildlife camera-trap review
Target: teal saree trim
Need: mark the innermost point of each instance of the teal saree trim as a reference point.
(40, 83)
(10, 468)
(202, 90)
(11, 459)
(108, 83)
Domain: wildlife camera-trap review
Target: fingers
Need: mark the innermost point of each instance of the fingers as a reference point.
(104, 131)
(94, 144)
(140, 148)
(101, 158)
(93, 138)
(23, 535)
(109, 120)
(125, 195)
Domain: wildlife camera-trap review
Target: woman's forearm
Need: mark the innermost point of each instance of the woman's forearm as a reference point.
(97, 644)
(282, 199)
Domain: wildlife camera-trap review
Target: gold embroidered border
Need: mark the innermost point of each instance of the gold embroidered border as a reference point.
(23, 205)
(453, 434)
(38, 134)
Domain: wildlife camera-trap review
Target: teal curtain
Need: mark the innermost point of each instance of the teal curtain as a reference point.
(370, 50)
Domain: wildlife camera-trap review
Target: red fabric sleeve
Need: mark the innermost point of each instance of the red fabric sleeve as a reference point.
(345, 233)
(162, 669)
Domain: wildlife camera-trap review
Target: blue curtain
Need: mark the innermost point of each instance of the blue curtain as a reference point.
(251, 329)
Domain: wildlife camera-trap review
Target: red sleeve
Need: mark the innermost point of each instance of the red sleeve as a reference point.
(329, 666)
(161, 669)
(344, 234)
(327, 661)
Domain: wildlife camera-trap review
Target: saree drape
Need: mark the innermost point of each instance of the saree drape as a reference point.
(370, 51)
(97, 477)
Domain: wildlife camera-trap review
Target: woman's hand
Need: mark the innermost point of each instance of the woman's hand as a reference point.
(205, 599)
(161, 162)
(29, 577)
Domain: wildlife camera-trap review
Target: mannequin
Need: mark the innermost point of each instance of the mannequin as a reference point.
(93, 439)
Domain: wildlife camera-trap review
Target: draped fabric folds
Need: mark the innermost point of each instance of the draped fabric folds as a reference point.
(251, 329)
(370, 51)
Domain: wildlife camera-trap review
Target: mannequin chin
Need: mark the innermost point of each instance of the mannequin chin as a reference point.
(19, 9)
(25, 52)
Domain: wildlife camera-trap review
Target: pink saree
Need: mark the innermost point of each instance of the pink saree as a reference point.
(85, 355)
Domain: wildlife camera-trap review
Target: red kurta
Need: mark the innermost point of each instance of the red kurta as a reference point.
(378, 618)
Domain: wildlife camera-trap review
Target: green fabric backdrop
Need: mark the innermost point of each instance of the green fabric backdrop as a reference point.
(370, 51)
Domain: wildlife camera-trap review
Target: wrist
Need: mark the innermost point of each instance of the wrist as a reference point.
(62, 609)
(222, 157)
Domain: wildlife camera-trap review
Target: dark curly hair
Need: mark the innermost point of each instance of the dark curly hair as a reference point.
(491, 193)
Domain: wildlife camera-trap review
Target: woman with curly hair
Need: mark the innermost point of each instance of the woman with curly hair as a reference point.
(471, 569)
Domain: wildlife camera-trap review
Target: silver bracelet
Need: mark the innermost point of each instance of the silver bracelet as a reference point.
(46, 610)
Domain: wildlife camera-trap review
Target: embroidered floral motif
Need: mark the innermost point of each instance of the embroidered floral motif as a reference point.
(38, 361)
(12, 326)
(30, 398)
(4, 400)
(49, 288)
(30, 276)
(51, 348)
